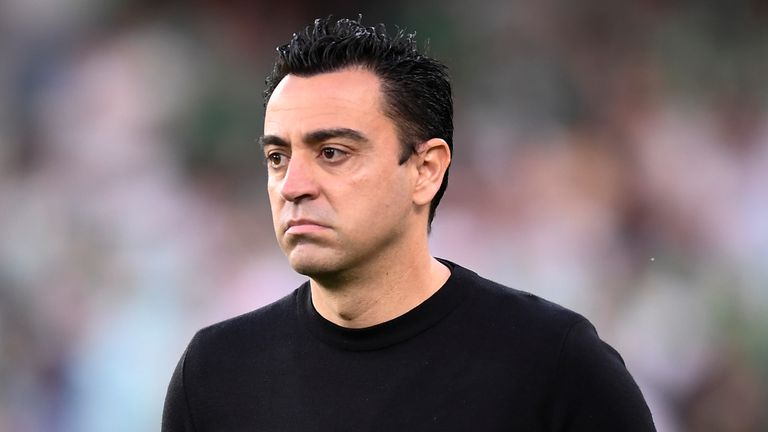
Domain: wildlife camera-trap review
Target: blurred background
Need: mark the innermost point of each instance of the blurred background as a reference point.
(610, 156)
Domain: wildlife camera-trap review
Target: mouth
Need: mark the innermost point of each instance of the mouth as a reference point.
(303, 226)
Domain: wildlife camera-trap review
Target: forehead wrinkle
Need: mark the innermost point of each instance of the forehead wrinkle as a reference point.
(341, 104)
(351, 87)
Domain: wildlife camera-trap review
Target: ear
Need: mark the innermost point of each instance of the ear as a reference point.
(433, 159)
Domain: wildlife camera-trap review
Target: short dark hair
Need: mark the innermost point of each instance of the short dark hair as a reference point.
(416, 88)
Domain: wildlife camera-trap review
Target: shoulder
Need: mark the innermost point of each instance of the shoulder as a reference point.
(505, 322)
(257, 327)
(590, 387)
(515, 308)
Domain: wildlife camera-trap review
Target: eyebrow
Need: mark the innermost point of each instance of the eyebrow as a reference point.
(274, 140)
(321, 135)
(315, 137)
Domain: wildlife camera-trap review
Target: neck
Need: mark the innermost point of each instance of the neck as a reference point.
(380, 291)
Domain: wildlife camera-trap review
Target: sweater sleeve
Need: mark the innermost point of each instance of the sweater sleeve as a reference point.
(593, 389)
(176, 414)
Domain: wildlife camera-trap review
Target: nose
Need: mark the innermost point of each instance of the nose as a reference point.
(299, 182)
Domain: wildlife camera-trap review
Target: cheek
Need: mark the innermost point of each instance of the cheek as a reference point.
(275, 202)
(273, 190)
(378, 198)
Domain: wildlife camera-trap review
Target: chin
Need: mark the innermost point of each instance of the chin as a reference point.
(313, 263)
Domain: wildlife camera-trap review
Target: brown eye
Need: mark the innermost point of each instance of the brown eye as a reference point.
(275, 160)
(332, 154)
(329, 153)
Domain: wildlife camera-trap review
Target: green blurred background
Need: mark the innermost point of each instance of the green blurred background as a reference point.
(611, 156)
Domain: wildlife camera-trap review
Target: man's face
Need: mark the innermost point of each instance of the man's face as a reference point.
(339, 197)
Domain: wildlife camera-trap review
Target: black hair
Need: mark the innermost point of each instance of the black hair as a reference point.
(416, 88)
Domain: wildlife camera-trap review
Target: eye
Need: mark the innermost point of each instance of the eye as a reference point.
(332, 154)
(276, 160)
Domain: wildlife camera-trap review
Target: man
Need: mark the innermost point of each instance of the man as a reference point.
(384, 337)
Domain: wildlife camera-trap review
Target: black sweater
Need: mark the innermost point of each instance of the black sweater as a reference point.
(476, 356)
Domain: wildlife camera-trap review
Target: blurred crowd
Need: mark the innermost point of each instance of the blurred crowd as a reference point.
(609, 156)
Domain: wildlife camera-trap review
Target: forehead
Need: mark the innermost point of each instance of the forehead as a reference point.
(348, 98)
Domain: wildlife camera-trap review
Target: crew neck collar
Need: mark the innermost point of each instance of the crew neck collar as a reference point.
(391, 332)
